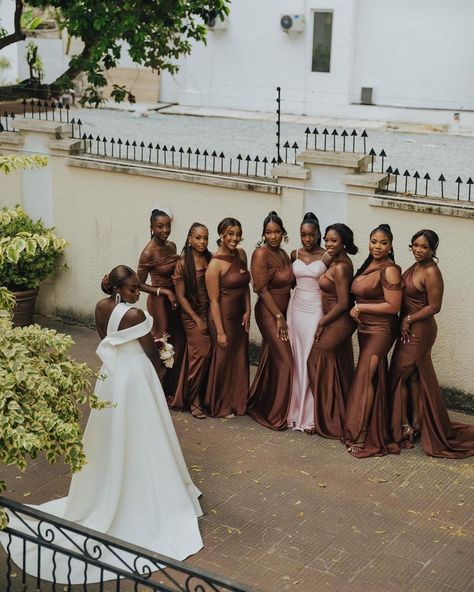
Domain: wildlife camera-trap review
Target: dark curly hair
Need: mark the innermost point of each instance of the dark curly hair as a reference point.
(346, 235)
(272, 217)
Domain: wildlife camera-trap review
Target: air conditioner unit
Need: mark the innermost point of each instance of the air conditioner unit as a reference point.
(214, 23)
(292, 23)
(367, 95)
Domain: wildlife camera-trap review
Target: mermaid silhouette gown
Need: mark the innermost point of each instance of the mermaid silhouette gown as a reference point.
(304, 312)
(269, 395)
(376, 334)
(439, 437)
(228, 381)
(135, 485)
(331, 365)
(165, 318)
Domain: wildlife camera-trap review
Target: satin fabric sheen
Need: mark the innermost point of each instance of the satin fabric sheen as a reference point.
(135, 485)
(228, 381)
(439, 437)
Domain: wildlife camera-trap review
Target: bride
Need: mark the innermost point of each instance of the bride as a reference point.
(136, 486)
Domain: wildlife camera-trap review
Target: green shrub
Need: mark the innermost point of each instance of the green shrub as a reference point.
(29, 252)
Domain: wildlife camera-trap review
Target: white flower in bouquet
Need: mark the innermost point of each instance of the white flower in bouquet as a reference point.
(166, 350)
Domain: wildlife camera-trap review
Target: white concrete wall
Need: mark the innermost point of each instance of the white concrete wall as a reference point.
(414, 54)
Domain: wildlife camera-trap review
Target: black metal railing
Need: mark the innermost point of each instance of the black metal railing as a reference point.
(52, 550)
(215, 161)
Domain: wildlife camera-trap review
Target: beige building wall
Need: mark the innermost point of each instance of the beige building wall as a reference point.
(102, 208)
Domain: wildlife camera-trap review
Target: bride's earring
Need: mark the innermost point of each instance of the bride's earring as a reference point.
(118, 298)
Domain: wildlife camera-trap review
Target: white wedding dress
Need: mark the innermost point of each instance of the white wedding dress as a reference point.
(135, 486)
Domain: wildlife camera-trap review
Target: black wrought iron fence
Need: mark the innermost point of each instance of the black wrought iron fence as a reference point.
(215, 161)
(56, 553)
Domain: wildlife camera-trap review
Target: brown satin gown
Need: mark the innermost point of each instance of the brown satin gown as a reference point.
(376, 334)
(439, 437)
(331, 365)
(269, 395)
(165, 319)
(193, 376)
(228, 381)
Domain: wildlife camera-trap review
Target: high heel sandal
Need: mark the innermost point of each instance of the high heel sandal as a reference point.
(407, 440)
(359, 445)
(197, 412)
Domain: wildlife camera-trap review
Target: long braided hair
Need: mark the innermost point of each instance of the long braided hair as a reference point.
(189, 268)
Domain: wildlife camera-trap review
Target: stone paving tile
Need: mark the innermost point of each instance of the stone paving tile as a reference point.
(290, 512)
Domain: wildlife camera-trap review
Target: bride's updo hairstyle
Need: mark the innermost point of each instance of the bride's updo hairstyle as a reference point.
(310, 218)
(116, 278)
(275, 218)
(224, 225)
(346, 235)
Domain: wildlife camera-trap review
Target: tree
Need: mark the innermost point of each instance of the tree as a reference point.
(157, 32)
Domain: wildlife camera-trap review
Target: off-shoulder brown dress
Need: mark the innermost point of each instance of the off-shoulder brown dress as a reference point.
(376, 335)
(193, 376)
(439, 437)
(331, 365)
(269, 395)
(165, 319)
(228, 381)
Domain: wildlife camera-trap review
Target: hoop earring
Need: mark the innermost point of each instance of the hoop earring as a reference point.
(118, 298)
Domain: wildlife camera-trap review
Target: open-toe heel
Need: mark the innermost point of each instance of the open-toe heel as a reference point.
(356, 447)
(407, 436)
(197, 412)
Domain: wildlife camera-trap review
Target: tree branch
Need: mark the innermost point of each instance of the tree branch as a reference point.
(75, 68)
(18, 34)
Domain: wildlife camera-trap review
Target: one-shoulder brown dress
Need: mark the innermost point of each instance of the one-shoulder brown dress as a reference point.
(376, 334)
(270, 392)
(228, 381)
(165, 319)
(193, 376)
(331, 366)
(439, 437)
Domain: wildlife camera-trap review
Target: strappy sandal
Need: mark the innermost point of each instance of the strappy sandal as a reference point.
(197, 412)
(359, 445)
(407, 440)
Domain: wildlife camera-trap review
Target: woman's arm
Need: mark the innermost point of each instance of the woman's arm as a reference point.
(143, 270)
(247, 313)
(434, 285)
(134, 317)
(392, 296)
(342, 281)
(213, 273)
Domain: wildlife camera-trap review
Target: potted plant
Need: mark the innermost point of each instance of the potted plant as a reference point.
(29, 253)
(42, 389)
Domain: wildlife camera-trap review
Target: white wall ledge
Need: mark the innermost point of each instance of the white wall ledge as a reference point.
(188, 176)
(443, 207)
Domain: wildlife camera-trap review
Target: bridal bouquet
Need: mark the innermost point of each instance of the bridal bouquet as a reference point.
(166, 350)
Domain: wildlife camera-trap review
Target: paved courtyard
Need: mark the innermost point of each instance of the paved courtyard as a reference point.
(286, 511)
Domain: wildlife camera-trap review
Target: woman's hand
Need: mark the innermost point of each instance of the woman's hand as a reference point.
(222, 340)
(201, 325)
(246, 321)
(319, 331)
(355, 314)
(171, 297)
(282, 329)
(405, 332)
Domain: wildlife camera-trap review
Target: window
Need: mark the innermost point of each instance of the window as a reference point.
(322, 34)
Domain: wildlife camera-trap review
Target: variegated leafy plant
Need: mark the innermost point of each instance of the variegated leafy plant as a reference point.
(29, 252)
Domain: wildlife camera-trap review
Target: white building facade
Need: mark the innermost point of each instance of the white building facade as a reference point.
(391, 59)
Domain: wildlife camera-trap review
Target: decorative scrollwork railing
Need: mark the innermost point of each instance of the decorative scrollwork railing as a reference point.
(43, 552)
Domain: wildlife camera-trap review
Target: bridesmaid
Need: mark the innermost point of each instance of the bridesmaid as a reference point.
(190, 283)
(273, 278)
(304, 312)
(377, 287)
(227, 281)
(331, 360)
(158, 259)
(417, 402)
